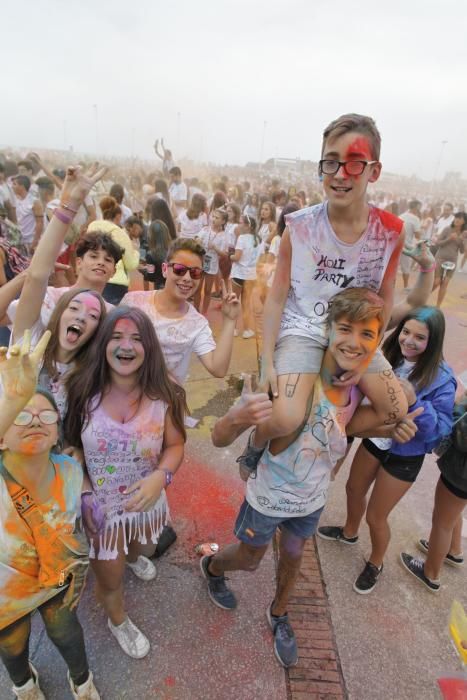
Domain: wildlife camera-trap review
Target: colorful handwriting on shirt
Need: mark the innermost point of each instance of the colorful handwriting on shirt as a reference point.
(112, 445)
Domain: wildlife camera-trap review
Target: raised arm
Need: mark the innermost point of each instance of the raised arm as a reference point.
(418, 296)
(386, 291)
(75, 189)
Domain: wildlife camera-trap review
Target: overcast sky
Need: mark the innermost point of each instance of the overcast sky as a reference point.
(208, 74)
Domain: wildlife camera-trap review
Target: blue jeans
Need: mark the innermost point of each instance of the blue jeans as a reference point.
(63, 629)
(257, 530)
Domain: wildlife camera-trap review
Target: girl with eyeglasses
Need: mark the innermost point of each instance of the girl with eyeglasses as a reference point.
(180, 328)
(30, 460)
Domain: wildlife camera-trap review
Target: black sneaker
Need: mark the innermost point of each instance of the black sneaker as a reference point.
(416, 568)
(166, 540)
(448, 559)
(249, 459)
(336, 533)
(217, 589)
(367, 579)
(285, 644)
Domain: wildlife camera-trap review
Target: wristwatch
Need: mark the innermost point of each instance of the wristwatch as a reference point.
(168, 477)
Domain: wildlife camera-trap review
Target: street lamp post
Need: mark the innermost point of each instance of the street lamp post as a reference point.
(438, 163)
(261, 154)
(96, 124)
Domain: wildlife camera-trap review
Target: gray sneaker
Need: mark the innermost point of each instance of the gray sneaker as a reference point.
(217, 588)
(416, 568)
(249, 459)
(285, 643)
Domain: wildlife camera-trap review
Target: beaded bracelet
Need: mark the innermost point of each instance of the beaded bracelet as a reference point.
(62, 216)
(63, 205)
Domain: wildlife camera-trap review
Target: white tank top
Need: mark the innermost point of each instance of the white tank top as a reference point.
(323, 265)
(26, 218)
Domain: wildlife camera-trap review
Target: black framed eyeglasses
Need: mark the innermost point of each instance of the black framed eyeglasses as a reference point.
(351, 167)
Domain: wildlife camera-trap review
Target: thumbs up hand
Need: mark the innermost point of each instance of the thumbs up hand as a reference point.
(251, 408)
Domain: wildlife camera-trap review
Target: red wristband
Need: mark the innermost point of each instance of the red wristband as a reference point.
(430, 269)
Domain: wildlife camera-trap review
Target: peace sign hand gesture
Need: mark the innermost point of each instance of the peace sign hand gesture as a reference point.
(78, 184)
(230, 302)
(19, 372)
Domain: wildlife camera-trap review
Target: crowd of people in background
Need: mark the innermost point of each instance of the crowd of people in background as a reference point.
(123, 269)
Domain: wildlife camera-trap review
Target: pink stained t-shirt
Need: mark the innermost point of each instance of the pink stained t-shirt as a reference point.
(118, 455)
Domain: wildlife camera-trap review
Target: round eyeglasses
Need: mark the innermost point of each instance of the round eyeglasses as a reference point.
(46, 417)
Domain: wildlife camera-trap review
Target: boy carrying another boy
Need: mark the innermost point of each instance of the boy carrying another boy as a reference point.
(292, 481)
(342, 243)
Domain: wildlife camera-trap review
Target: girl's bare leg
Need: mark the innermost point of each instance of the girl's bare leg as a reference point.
(362, 474)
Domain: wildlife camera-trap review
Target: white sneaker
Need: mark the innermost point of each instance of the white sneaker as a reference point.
(143, 568)
(30, 690)
(248, 334)
(132, 641)
(85, 691)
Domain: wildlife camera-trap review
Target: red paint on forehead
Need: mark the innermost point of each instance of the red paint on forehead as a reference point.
(360, 146)
(126, 325)
(89, 301)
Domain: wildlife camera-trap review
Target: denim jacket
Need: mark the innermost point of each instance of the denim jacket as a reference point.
(435, 422)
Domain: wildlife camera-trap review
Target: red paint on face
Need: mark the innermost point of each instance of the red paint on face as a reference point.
(126, 325)
(359, 149)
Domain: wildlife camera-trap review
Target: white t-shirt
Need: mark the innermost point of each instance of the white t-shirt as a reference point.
(245, 268)
(179, 337)
(295, 482)
(52, 295)
(208, 237)
(322, 265)
(273, 250)
(442, 223)
(178, 192)
(412, 225)
(190, 228)
(264, 232)
(230, 234)
(26, 217)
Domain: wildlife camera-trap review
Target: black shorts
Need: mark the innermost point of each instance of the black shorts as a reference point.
(238, 281)
(453, 489)
(374, 450)
(403, 468)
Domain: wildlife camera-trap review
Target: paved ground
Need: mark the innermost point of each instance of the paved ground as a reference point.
(391, 645)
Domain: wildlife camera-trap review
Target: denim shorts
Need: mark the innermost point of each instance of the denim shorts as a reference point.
(257, 530)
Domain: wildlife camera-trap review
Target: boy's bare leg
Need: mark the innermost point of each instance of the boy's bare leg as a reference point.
(290, 558)
(289, 408)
